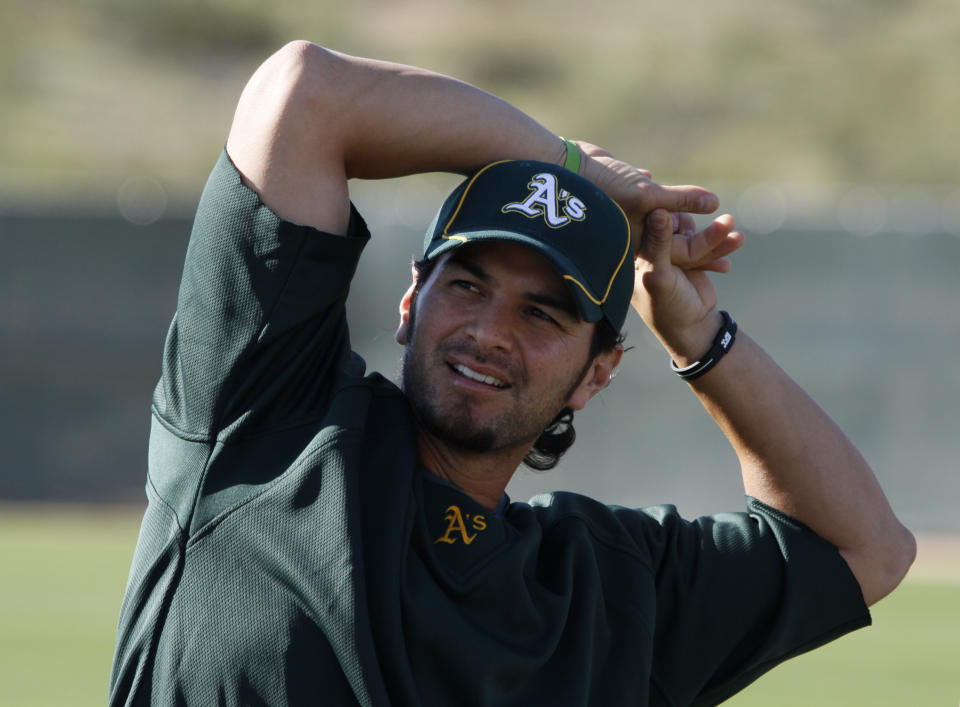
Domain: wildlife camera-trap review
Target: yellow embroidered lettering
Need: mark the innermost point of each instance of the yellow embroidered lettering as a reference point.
(456, 525)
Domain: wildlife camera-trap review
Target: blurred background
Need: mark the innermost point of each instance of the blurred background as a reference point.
(828, 129)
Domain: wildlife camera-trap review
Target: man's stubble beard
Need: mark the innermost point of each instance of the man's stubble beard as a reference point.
(457, 426)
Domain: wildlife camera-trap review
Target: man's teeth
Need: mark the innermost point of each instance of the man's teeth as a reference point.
(473, 375)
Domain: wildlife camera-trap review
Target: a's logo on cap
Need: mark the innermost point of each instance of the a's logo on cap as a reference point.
(558, 207)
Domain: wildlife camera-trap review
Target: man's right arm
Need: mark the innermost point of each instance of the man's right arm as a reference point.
(310, 119)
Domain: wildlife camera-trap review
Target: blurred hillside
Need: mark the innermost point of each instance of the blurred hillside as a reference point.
(96, 93)
(819, 124)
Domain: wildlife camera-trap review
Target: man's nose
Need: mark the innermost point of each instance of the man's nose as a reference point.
(493, 327)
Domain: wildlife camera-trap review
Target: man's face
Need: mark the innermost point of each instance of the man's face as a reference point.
(496, 348)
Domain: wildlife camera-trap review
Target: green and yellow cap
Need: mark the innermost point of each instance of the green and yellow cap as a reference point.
(556, 212)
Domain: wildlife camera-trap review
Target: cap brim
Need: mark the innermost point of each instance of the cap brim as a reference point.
(572, 277)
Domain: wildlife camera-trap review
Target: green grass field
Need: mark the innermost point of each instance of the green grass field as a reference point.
(64, 571)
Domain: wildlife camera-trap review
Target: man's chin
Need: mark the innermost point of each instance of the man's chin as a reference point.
(463, 437)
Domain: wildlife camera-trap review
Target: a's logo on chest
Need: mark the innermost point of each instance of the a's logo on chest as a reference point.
(457, 529)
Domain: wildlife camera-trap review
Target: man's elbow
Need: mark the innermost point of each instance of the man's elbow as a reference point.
(884, 568)
(299, 81)
(303, 72)
(904, 557)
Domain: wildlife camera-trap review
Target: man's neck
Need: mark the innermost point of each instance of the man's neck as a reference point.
(483, 476)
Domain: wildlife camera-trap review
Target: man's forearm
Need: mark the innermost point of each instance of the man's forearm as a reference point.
(309, 119)
(404, 120)
(795, 458)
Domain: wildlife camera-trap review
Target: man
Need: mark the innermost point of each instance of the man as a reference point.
(318, 536)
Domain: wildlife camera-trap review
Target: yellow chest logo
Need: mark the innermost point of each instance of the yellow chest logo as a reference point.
(457, 526)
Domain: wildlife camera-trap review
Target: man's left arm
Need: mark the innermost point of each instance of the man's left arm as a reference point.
(793, 457)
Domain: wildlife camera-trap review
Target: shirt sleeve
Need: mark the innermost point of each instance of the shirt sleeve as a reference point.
(260, 326)
(739, 593)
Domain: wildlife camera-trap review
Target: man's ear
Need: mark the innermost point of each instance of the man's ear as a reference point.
(597, 377)
(403, 330)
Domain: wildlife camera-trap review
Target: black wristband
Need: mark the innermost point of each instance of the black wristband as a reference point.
(721, 344)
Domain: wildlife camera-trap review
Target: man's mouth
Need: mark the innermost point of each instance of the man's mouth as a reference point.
(480, 377)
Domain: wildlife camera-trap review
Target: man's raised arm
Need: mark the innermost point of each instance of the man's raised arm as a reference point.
(310, 119)
(793, 457)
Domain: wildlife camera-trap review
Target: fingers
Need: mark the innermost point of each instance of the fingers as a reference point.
(672, 291)
(635, 191)
(719, 240)
(706, 249)
(696, 200)
(681, 202)
(656, 243)
(720, 265)
(667, 240)
(685, 224)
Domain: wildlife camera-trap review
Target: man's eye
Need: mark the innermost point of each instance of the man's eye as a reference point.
(540, 314)
(465, 285)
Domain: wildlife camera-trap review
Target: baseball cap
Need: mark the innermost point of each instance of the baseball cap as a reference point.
(579, 229)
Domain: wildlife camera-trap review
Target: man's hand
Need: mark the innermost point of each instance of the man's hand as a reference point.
(672, 291)
(638, 195)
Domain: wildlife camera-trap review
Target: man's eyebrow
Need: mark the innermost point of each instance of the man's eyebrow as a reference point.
(561, 303)
(470, 266)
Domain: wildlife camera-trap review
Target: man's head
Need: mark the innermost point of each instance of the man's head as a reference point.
(524, 286)
(557, 213)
